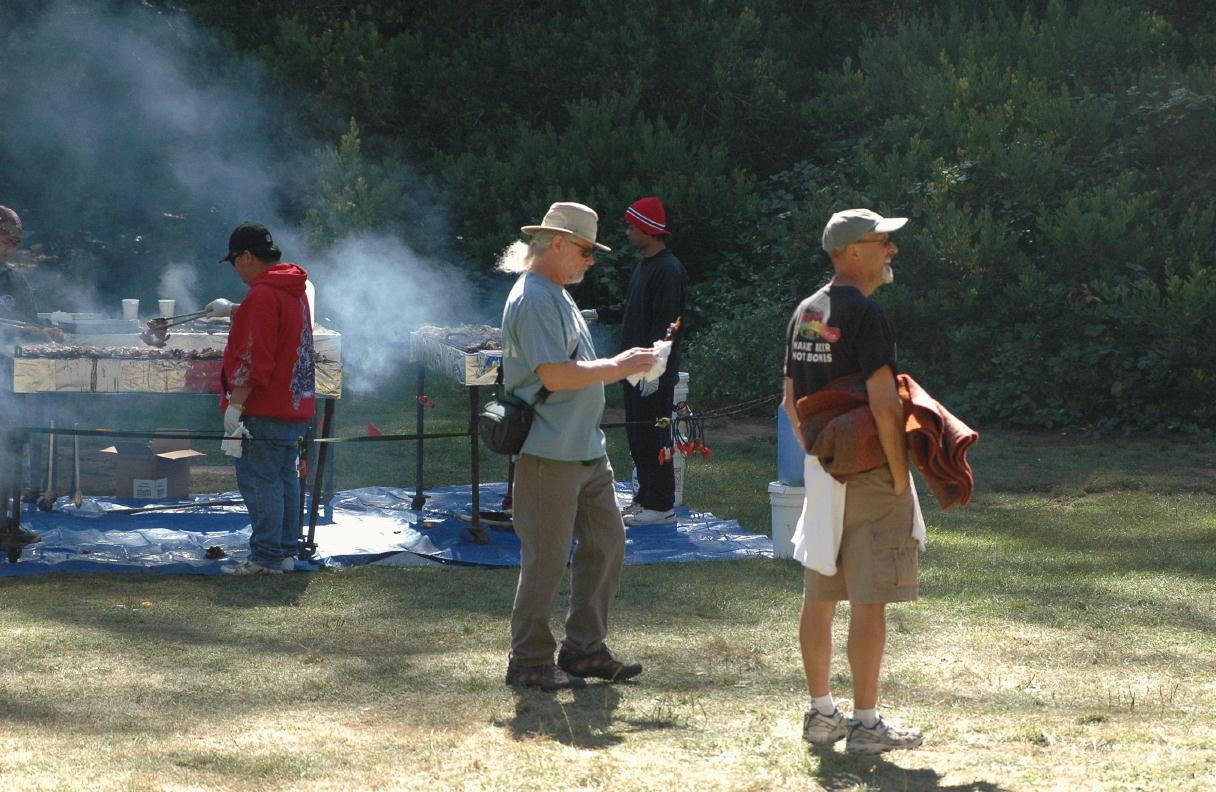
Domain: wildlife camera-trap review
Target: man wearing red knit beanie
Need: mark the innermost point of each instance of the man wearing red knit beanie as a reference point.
(654, 300)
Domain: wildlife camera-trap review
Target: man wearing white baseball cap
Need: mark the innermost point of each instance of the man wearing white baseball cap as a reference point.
(857, 540)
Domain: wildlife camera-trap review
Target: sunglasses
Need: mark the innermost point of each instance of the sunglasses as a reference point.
(587, 252)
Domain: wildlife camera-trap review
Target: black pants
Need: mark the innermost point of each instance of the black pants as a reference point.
(656, 482)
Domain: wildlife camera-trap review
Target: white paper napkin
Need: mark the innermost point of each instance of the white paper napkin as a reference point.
(660, 364)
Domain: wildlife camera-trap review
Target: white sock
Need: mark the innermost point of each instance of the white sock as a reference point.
(824, 704)
(868, 717)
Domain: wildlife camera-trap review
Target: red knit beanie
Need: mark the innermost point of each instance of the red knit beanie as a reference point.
(648, 216)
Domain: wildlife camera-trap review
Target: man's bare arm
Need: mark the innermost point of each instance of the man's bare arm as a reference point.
(575, 374)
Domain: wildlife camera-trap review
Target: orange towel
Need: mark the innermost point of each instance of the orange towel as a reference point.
(839, 428)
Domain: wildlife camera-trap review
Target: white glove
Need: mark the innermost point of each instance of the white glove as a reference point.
(232, 445)
(232, 419)
(647, 387)
(590, 314)
(221, 307)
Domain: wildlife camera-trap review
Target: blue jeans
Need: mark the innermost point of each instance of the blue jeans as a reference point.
(268, 480)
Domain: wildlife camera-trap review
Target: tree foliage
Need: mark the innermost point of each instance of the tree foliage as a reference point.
(1056, 158)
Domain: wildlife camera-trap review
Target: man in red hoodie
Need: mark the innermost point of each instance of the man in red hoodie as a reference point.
(267, 385)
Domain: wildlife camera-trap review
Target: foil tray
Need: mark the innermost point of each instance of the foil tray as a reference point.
(467, 368)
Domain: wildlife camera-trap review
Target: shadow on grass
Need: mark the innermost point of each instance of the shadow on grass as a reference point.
(584, 722)
(589, 721)
(265, 591)
(837, 770)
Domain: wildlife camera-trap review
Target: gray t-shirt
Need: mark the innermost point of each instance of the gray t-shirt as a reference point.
(541, 324)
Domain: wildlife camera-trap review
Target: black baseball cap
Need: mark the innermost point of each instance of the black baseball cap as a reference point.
(255, 238)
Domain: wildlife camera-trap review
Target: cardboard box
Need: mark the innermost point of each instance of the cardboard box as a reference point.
(155, 469)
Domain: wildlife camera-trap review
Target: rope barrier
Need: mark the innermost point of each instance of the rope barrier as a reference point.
(687, 428)
(218, 436)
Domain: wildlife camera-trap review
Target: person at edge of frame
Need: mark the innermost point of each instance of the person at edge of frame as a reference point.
(17, 304)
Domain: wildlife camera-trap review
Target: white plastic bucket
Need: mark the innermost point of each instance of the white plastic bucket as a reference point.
(679, 464)
(786, 503)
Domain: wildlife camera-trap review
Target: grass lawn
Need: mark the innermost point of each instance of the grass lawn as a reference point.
(1064, 639)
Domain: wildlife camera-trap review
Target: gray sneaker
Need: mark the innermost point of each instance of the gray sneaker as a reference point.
(880, 737)
(820, 729)
(651, 517)
(249, 568)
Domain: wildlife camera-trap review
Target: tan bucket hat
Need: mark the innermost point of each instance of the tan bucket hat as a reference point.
(570, 218)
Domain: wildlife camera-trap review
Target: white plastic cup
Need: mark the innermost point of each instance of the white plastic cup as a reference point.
(130, 309)
(166, 307)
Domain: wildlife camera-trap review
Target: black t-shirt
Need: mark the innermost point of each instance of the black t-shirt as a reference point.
(654, 300)
(835, 332)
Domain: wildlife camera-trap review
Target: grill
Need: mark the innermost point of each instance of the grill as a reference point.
(472, 356)
(106, 356)
(121, 363)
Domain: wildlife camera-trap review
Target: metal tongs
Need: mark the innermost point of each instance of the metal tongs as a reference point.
(156, 332)
(51, 333)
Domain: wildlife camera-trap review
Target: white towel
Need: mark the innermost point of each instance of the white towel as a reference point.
(821, 525)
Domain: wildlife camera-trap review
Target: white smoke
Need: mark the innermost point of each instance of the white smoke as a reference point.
(109, 127)
(113, 135)
(375, 290)
(179, 282)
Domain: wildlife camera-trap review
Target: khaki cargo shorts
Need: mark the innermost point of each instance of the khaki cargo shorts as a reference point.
(878, 556)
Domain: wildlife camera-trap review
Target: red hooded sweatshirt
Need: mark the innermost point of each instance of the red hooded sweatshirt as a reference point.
(270, 347)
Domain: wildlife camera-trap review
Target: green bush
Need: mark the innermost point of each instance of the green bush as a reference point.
(1055, 156)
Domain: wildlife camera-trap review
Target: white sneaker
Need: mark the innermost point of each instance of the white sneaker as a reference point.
(820, 729)
(880, 737)
(651, 517)
(248, 568)
(632, 508)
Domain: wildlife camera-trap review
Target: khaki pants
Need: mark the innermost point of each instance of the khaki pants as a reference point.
(555, 502)
(878, 556)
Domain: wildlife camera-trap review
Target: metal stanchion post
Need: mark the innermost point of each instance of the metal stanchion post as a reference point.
(419, 498)
(310, 544)
(479, 534)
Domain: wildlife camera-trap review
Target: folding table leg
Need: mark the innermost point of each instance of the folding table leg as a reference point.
(419, 423)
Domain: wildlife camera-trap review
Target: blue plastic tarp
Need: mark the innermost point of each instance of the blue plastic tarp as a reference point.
(369, 525)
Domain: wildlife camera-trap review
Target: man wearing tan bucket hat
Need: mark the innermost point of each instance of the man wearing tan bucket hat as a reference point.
(564, 484)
